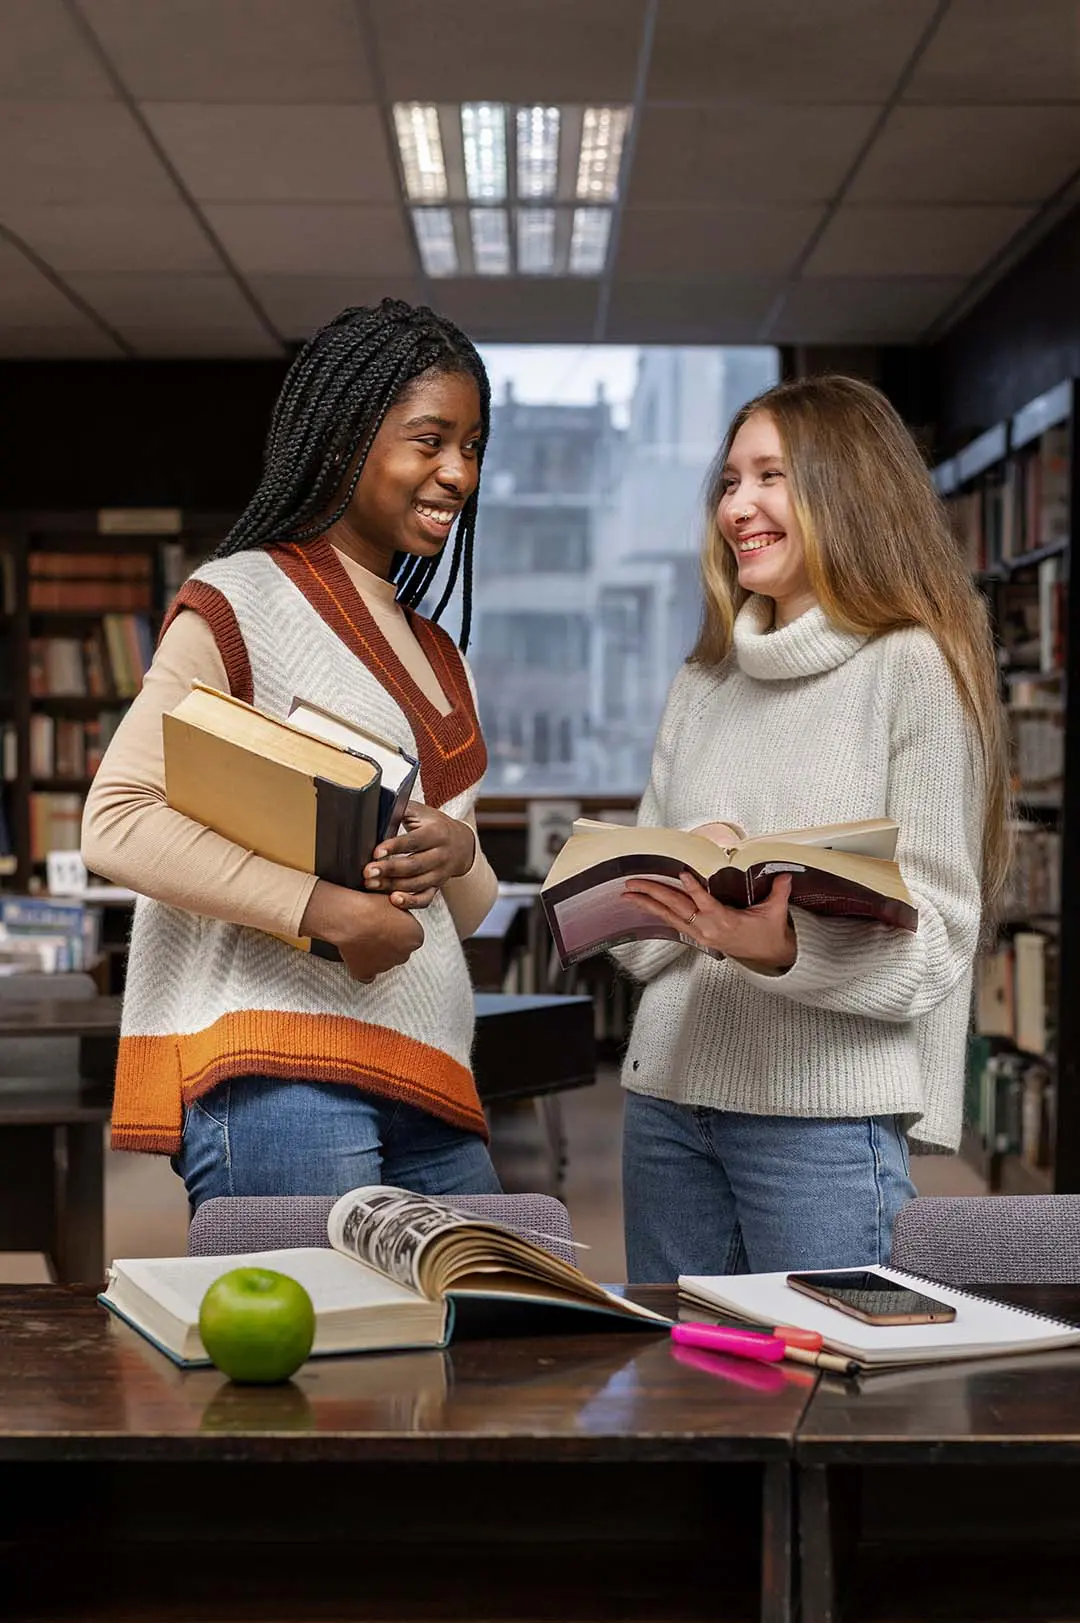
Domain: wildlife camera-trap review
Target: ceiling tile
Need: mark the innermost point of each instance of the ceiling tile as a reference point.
(705, 154)
(77, 152)
(113, 237)
(856, 310)
(160, 301)
(313, 154)
(82, 341)
(861, 240)
(718, 311)
(235, 50)
(735, 241)
(43, 56)
(297, 305)
(555, 310)
(194, 342)
(830, 51)
(562, 50)
(314, 239)
(970, 155)
(998, 51)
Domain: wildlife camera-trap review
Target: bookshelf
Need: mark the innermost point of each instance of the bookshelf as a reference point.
(82, 597)
(1013, 499)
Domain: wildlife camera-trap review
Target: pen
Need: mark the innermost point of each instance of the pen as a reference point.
(762, 1346)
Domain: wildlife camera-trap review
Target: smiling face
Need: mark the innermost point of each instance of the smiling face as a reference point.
(758, 522)
(423, 466)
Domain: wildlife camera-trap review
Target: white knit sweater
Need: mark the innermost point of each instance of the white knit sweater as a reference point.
(809, 724)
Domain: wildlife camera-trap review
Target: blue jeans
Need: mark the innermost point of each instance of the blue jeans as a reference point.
(713, 1192)
(256, 1135)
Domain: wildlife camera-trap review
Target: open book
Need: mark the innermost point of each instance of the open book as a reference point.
(400, 1270)
(844, 869)
(981, 1328)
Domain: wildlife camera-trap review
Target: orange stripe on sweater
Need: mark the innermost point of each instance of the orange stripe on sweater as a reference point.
(157, 1076)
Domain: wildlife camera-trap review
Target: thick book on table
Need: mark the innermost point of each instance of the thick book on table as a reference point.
(981, 1328)
(314, 793)
(401, 1271)
(846, 870)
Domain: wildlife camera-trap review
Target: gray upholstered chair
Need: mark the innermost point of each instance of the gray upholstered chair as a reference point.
(990, 1239)
(230, 1224)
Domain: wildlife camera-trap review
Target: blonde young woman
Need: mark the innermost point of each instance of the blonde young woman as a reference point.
(845, 670)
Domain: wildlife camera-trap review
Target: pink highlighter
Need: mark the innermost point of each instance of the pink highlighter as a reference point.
(766, 1348)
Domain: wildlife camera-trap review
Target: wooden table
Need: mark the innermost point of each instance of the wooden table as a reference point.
(946, 1492)
(602, 1475)
(526, 1047)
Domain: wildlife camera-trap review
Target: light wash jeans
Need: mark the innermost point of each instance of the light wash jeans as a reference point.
(713, 1192)
(257, 1135)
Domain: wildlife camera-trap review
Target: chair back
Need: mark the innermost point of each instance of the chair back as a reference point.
(54, 1057)
(230, 1224)
(990, 1239)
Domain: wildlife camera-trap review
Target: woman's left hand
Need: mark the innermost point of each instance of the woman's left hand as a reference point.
(760, 937)
(415, 865)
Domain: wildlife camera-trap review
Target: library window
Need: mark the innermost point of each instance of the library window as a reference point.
(586, 595)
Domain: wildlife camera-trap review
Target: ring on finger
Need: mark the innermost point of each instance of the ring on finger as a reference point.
(692, 917)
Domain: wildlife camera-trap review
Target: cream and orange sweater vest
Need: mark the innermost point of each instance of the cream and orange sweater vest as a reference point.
(205, 1000)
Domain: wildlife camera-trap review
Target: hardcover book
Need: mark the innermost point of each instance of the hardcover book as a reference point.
(846, 870)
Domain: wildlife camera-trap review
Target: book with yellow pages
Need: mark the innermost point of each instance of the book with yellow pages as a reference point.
(315, 793)
(847, 870)
(400, 1270)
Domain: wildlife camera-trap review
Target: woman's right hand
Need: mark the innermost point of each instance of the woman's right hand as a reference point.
(371, 934)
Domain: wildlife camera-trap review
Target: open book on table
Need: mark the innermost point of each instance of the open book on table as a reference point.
(847, 870)
(399, 1272)
(981, 1328)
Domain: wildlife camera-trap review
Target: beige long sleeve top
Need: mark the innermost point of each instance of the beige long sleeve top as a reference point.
(133, 837)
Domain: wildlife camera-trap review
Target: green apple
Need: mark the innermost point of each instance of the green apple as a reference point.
(257, 1325)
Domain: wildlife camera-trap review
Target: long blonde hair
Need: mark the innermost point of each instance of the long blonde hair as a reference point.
(879, 556)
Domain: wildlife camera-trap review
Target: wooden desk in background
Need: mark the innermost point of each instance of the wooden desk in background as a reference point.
(600, 1475)
(526, 1047)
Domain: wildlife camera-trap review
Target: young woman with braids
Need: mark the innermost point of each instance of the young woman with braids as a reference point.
(260, 1068)
(845, 670)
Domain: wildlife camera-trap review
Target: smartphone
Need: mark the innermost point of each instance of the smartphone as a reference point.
(872, 1298)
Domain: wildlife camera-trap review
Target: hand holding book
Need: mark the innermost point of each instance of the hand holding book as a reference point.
(415, 865)
(608, 883)
(762, 937)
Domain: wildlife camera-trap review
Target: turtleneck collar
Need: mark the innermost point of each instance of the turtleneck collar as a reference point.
(805, 647)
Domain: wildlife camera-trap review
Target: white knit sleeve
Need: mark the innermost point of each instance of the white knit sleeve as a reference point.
(935, 793)
(644, 960)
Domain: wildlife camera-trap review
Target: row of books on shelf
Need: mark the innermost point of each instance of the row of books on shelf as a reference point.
(1033, 885)
(1019, 505)
(62, 747)
(1031, 612)
(1015, 990)
(110, 662)
(47, 934)
(1011, 1102)
(90, 581)
(1038, 749)
(55, 822)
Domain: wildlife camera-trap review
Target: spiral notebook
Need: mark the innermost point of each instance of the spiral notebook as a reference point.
(981, 1329)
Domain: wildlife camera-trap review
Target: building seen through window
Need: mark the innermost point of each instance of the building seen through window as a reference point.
(587, 594)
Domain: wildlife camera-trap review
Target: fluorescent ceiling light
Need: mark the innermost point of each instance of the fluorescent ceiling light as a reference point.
(483, 135)
(416, 125)
(589, 241)
(435, 237)
(537, 151)
(490, 241)
(603, 130)
(536, 241)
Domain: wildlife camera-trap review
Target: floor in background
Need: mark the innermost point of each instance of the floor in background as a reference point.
(146, 1209)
